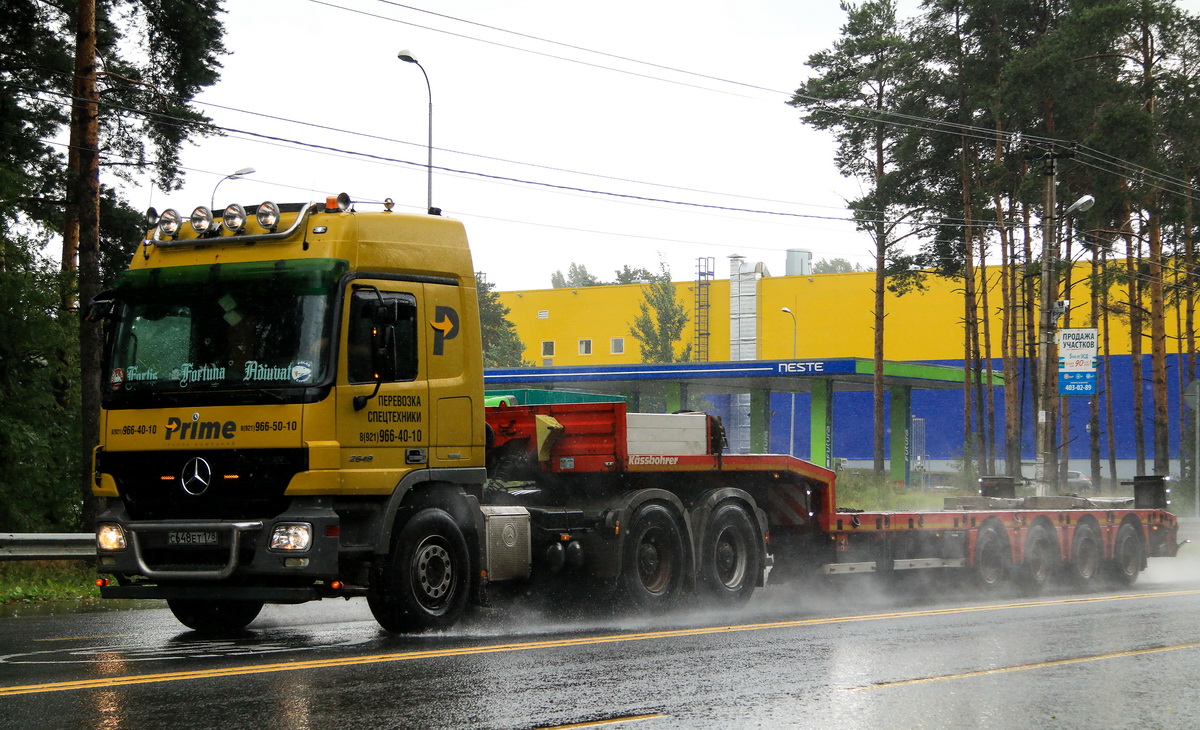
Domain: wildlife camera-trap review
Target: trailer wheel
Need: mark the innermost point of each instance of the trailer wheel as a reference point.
(652, 563)
(423, 583)
(1041, 558)
(214, 616)
(1127, 556)
(991, 564)
(730, 560)
(1085, 555)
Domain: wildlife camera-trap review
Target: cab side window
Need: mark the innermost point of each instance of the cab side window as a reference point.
(362, 335)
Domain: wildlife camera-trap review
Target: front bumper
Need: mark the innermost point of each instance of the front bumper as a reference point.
(206, 553)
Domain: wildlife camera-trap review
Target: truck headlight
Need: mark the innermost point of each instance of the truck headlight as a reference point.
(169, 222)
(234, 218)
(291, 537)
(110, 536)
(268, 215)
(202, 220)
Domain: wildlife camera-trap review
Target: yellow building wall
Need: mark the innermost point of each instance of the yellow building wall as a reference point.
(833, 319)
(601, 314)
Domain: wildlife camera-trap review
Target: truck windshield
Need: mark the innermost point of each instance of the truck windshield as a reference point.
(249, 327)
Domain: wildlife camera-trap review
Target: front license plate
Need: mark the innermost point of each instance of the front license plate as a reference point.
(191, 538)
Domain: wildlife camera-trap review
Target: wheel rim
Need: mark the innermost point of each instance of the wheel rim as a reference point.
(655, 561)
(730, 558)
(1088, 559)
(1128, 556)
(433, 572)
(1039, 567)
(991, 567)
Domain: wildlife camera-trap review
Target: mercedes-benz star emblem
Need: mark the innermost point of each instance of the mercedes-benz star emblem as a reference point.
(196, 476)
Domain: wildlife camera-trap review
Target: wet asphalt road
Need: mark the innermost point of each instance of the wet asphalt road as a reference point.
(819, 658)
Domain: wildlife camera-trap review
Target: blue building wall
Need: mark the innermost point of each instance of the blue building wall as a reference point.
(943, 414)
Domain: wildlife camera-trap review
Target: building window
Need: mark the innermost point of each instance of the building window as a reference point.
(616, 346)
(543, 314)
(585, 347)
(548, 348)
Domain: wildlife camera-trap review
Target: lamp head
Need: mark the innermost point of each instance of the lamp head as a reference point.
(785, 309)
(406, 56)
(1082, 205)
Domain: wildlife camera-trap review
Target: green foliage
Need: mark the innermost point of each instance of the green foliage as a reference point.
(33, 581)
(577, 275)
(629, 275)
(502, 348)
(862, 489)
(661, 321)
(835, 266)
(40, 422)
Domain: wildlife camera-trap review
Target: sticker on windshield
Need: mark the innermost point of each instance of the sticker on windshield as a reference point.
(302, 371)
(191, 373)
(257, 372)
(118, 379)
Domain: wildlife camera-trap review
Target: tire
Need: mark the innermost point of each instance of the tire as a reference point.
(424, 582)
(1042, 559)
(214, 616)
(652, 566)
(991, 560)
(730, 559)
(1085, 555)
(1128, 556)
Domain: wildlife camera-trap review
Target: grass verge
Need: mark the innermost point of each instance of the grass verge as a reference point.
(31, 581)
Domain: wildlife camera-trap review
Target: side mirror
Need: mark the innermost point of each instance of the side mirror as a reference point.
(100, 308)
(382, 313)
(383, 353)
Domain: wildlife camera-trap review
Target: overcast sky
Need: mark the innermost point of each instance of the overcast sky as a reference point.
(534, 102)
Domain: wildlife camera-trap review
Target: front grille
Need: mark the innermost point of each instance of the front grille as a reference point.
(242, 483)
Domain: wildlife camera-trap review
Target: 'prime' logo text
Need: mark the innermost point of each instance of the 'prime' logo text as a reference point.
(199, 430)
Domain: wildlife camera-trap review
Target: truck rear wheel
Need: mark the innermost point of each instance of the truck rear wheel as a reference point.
(730, 560)
(1127, 557)
(1041, 559)
(1085, 555)
(214, 616)
(652, 563)
(424, 582)
(991, 562)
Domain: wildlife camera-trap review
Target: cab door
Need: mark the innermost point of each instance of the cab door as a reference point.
(454, 357)
(383, 404)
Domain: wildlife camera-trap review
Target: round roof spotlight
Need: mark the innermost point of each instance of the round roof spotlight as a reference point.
(151, 217)
(234, 218)
(343, 202)
(268, 215)
(169, 222)
(388, 204)
(202, 220)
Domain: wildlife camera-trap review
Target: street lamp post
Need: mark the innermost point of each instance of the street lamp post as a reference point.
(792, 314)
(231, 176)
(1045, 431)
(792, 421)
(408, 57)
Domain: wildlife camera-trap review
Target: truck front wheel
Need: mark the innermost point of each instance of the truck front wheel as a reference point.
(730, 556)
(424, 582)
(214, 616)
(652, 563)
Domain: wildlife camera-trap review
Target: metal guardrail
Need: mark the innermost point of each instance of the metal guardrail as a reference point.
(47, 546)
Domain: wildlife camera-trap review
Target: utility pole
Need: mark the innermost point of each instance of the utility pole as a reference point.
(1045, 431)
